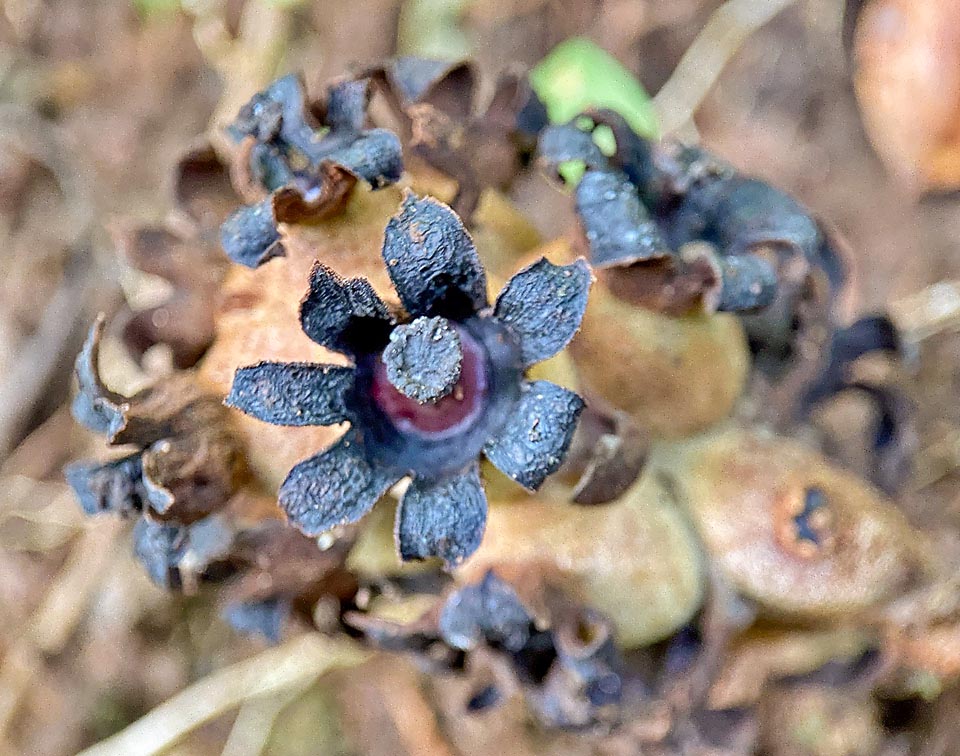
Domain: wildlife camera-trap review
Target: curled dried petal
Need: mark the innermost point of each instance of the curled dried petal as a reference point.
(266, 617)
(346, 107)
(95, 406)
(178, 556)
(336, 487)
(432, 260)
(749, 283)
(375, 156)
(250, 237)
(442, 519)
(114, 486)
(537, 435)
(565, 143)
(315, 197)
(345, 316)
(619, 229)
(487, 612)
(448, 86)
(543, 305)
(292, 393)
(424, 358)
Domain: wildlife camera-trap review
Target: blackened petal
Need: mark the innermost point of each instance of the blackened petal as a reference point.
(444, 518)
(432, 260)
(375, 156)
(490, 612)
(115, 486)
(535, 439)
(336, 487)
(619, 229)
(343, 315)
(265, 618)
(561, 144)
(176, 556)
(292, 393)
(749, 283)
(347, 105)
(447, 85)
(95, 406)
(543, 305)
(250, 237)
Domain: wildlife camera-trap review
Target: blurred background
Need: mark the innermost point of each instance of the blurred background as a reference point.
(98, 100)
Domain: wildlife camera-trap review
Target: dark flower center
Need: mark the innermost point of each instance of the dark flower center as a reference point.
(447, 416)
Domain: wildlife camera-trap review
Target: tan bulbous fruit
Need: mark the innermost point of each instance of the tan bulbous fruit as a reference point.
(674, 376)
(635, 559)
(788, 529)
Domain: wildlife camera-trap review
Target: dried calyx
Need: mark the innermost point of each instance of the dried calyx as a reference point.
(292, 169)
(480, 145)
(564, 660)
(424, 398)
(674, 229)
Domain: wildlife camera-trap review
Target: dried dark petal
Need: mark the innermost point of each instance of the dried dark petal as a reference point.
(432, 260)
(749, 283)
(445, 518)
(615, 460)
(543, 305)
(178, 556)
(375, 156)
(336, 487)
(619, 229)
(483, 699)
(346, 107)
(114, 486)
(314, 198)
(95, 406)
(515, 108)
(423, 359)
(277, 113)
(292, 393)
(265, 618)
(345, 316)
(202, 188)
(674, 285)
(565, 143)
(250, 236)
(447, 86)
(488, 612)
(537, 435)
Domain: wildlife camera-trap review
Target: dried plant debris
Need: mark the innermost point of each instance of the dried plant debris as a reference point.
(427, 396)
(892, 435)
(673, 228)
(187, 463)
(565, 662)
(292, 169)
(478, 144)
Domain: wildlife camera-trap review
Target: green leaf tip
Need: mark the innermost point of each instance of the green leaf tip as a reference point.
(577, 75)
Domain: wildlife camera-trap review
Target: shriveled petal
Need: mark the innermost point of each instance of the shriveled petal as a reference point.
(447, 86)
(488, 612)
(535, 439)
(266, 617)
(619, 229)
(177, 557)
(335, 487)
(561, 144)
(543, 305)
(749, 283)
(95, 406)
(250, 236)
(432, 260)
(375, 156)
(292, 393)
(343, 315)
(347, 105)
(115, 486)
(443, 518)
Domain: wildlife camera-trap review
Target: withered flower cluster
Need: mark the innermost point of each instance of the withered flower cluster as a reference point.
(427, 392)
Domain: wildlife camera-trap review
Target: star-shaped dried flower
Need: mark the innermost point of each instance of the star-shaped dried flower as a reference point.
(427, 396)
(293, 170)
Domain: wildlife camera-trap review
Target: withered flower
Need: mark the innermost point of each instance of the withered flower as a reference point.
(294, 170)
(480, 144)
(427, 395)
(675, 228)
(565, 662)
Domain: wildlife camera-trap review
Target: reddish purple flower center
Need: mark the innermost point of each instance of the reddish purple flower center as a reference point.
(448, 416)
